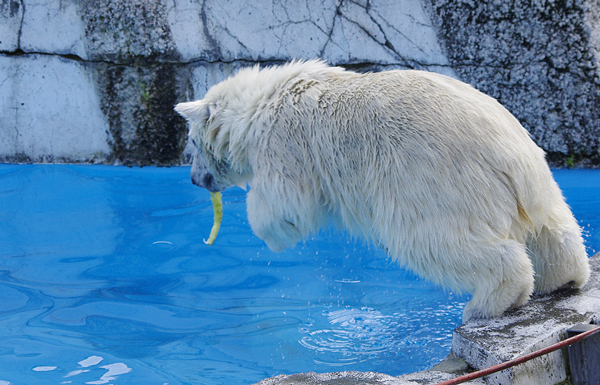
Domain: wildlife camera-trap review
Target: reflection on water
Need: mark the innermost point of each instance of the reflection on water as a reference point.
(113, 371)
(110, 372)
(43, 368)
(104, 278)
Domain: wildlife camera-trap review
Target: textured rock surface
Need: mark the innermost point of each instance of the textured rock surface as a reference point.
(128, 31)
(11, 16)
(360, 378)
(131, 60)
(539, 59)
(345, 378)
(138, 103)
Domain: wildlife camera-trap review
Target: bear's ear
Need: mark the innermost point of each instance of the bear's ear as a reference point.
(195, 112)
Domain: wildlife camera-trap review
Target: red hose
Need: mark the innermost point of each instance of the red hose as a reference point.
(520, 360)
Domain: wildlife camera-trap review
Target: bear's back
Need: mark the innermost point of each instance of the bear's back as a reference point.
(399, 145)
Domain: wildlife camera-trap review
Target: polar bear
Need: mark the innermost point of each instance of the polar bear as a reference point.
(440, 175)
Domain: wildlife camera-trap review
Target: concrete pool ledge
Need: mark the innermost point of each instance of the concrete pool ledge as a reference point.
(479, 344)
(541, 323)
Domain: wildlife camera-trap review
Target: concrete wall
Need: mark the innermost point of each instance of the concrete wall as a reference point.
(95, 80)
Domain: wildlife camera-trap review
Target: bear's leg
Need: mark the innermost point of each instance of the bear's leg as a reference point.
(559, 257)
(269, 223)
(502, 279)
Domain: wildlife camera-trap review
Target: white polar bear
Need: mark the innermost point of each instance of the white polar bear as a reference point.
(440, 175)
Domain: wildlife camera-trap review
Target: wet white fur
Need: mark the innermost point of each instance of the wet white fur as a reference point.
(440, 175)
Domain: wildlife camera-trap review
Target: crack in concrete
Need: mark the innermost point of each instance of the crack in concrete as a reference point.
(16, 126)
(388, 44)
(402, 33)
(22, 5)
(249, 61)
(73, 57)
(235, 38)
(286, 23)
(329, 35)
(209, 37)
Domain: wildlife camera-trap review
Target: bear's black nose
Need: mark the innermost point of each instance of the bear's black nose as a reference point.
(207, 180)
(202, 180)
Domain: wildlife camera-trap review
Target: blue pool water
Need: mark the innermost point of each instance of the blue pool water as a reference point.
(104, 279)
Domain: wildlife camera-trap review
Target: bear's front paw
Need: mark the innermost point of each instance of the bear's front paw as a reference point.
(280, 235)
(272, 223)
(472, 312)
(275, 247)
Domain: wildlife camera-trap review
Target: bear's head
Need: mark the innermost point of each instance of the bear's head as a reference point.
(217, 126)
(226, 125)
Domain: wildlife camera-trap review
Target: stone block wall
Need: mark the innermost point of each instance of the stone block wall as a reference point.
(95, 80)
(539, 59)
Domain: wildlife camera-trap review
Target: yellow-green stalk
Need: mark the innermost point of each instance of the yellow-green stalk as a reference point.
(217, 202)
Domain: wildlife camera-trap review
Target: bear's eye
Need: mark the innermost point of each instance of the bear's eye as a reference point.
(195, 144)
